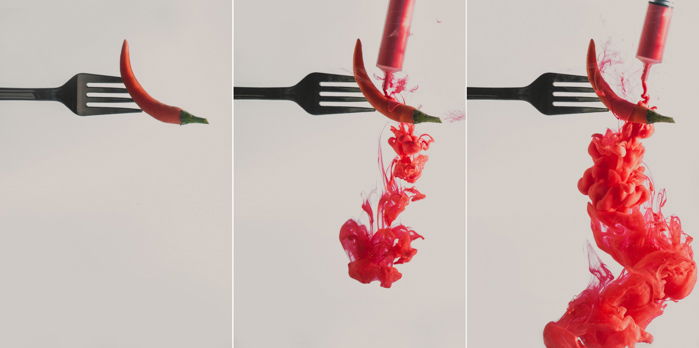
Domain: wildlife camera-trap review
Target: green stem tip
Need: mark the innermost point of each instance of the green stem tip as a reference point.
(420, 117)
(653, 117)
(186, 118)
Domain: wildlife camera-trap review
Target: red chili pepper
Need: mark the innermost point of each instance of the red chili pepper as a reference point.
(621, 108)
(383, 104)
(149, 105)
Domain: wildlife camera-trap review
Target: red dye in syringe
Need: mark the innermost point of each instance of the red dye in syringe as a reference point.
(395, 39)
(653, 37)
(627, 223)
(654, 33)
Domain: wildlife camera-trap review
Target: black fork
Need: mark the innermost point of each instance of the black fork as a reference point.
(540, 94)
(307, 94)
(73, 94)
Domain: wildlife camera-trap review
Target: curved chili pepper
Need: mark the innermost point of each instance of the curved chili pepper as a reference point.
(388, 106)
(161, 112)
(621, 108)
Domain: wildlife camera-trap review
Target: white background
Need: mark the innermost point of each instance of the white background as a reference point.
(115, 230)
(527, 225)
(299, 177)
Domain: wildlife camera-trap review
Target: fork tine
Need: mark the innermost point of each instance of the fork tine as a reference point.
(569, 78)
(108, 100)
(106, 90)
(575, 99)
(339, 89)
(574, 110)
(572, 89)
(91, 111)
(101, 78)
(341, 99)
(335, 78)
(324, 110)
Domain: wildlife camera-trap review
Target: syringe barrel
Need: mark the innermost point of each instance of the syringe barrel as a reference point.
(654, 34)
(395, 35)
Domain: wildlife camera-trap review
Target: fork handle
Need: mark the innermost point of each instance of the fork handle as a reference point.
(494, 93)
(27, 94)
(275, 93)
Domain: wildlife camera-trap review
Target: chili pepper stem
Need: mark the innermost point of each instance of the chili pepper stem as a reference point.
(653, 117)
(186, 117)
(419, 117)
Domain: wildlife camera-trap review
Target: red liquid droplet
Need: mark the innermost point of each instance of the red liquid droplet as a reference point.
(628, 224)
(654, 251)
(644, 82)
(374, 250)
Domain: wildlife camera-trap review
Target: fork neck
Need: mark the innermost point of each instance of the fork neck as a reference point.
(275, 93)
(508, 93)
(28, 93)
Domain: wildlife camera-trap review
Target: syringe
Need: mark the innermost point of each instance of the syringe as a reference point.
(653, 37)
(395, 38)
(655, 27)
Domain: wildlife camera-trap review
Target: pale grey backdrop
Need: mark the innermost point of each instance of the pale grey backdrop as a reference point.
(527, 225)
(299, 177)
(115, 230)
